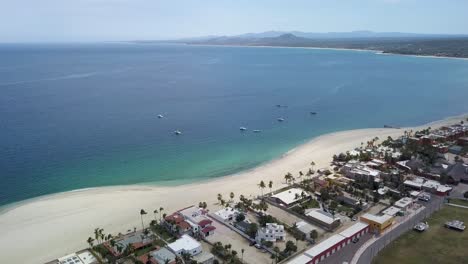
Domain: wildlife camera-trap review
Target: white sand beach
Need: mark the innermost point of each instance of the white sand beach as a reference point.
(45, 228)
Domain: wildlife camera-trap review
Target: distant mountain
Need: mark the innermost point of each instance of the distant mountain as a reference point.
(319, 36)
(399, 43)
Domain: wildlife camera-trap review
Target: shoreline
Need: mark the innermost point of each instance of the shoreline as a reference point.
(66, 219)
(377, 52)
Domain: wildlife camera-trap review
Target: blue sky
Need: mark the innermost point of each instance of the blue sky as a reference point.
(96, 20)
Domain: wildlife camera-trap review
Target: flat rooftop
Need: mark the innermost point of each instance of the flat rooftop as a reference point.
(352, 230)
(322, 216)
(186, 243)
(301, 259)
(324, 245)
(289, 196)
(377, 218)
(392, 210)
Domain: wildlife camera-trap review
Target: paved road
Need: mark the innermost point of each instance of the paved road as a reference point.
(346, 253)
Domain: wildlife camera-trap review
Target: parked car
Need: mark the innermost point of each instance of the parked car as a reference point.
(258, 246)
(354, 218)
(355, 240)
(252, 243)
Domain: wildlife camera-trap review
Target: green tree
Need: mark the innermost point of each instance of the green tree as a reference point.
(288, 177)
(90, 241)
(142, 213)
(313, 235)
(262, 186)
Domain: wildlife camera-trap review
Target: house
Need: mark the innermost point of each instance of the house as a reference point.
(199, 221)
(458, 172)
(162, 255)
(456, 150)
(329, 246)
(186, 244)
(323, 218)
(404, 203)
(360, 171)
(290, 196)
(80, 257)
(392, 210)
(176, 224)
(136, 239)
(377, 223)
(190, 220)
(243, 226)
(271, 232)
(463, 141)
(226, 214)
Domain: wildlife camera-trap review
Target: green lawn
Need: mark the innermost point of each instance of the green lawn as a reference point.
(435, 245)
(459, 202)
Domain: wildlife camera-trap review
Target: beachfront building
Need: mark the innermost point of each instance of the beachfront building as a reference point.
(227, 214)
(271, 232)
(191, 220)
(176, 224)
(185, 244)
(137, 240)
(331, 245)
(290, 197)
(80, 257)
(377, 223)
(357, 170)
(323, 218)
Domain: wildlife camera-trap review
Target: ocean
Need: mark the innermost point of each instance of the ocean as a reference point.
(85, 115)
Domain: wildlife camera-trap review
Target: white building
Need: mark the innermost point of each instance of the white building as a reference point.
(290, 196)
(324, 218)
(271, 232)
(392, 210)
(226, 214)
(81, 257)
(404, 203)
(186, 244)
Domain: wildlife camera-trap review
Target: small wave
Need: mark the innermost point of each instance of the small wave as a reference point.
(65, 77)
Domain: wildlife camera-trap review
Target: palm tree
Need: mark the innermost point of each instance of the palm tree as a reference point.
(142, 212)
(90, 241)
(96, 234)
(312, 164)
(276, 250)
(242, 253)
(231, 195)
(160, 211)
(262, 186)
(288, 177)
(270, 185)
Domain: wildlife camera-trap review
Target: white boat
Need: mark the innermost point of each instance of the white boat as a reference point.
(280, 119)
(257, 131)
(160, 116)
(177, 132)
(242, 128)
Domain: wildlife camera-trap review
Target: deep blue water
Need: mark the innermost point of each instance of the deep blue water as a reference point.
(81, 115)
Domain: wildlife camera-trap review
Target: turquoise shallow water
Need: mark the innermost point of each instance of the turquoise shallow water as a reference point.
(84, 115)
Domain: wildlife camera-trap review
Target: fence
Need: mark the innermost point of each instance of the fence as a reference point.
(369, 250)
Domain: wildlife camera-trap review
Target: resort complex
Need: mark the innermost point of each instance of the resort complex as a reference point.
(363, 197)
